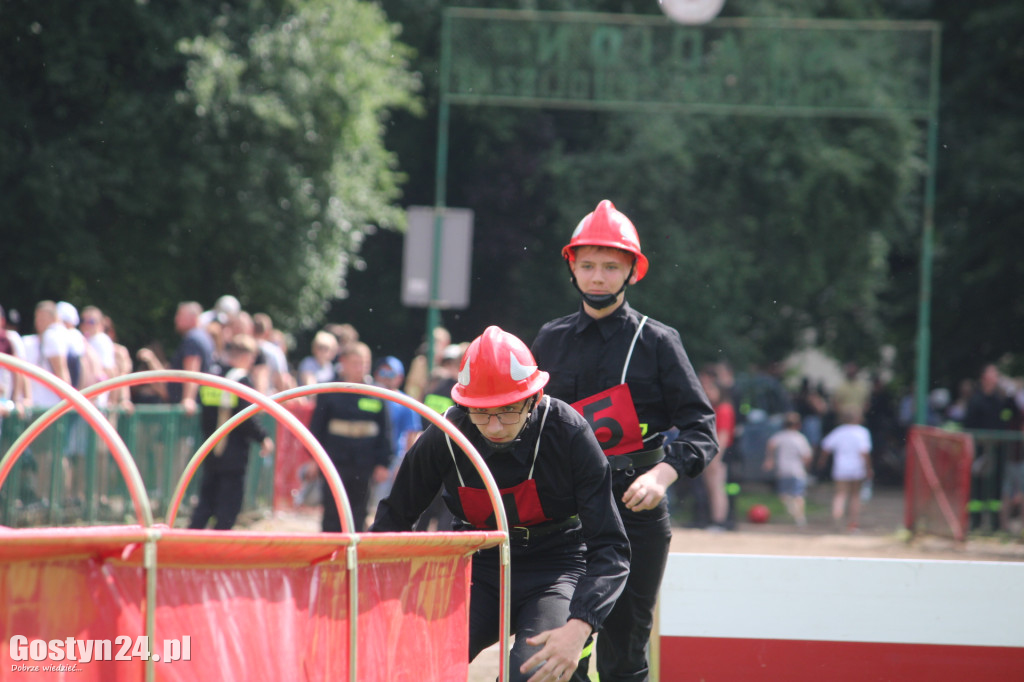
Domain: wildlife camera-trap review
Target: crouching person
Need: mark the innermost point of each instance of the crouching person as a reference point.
(570, 555)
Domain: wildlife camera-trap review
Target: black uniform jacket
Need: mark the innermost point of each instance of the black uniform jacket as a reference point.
(234, 453)
(586, 356)
(354, 429)
(572, 477)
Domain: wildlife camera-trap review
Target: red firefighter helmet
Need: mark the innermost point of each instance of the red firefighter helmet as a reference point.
(498, 369)
(607, 226)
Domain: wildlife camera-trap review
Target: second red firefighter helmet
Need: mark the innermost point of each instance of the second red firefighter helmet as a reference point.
(607, 226)
(498, 369)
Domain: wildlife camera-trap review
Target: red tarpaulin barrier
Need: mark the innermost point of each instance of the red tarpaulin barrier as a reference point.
(147, 602)
(291, 456)
(240, 606)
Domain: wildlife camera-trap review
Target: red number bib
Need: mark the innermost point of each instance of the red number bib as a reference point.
(612, 416)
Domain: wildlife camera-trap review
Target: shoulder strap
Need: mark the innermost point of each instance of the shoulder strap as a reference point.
(536, 446)
(632, 345)
(451, 450)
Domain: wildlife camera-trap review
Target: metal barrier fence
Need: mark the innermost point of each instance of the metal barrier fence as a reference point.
(68, 476)
(998, 463)
(959, 483)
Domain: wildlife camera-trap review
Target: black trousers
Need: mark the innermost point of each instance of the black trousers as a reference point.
(220, 497)
(357, 486)
(540, 595)
(622, 642)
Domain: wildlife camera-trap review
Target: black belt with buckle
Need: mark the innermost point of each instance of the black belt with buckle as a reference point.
(522, 535)
(635, 460)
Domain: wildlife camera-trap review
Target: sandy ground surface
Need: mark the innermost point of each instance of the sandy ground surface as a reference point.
(881, 535)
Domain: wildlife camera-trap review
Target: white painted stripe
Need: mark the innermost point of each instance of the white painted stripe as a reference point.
(976, 603)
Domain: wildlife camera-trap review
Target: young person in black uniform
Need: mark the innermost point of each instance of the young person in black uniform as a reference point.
(355, 431)
(570, 556)
(631, 378)
(223, 488)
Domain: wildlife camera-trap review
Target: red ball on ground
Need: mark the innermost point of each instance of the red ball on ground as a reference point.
(759, 514)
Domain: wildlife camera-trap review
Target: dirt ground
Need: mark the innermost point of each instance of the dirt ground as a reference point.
(881, 535)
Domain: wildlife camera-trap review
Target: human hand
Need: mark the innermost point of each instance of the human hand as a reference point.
(380, 474)
(267, 446)
(189, 405)
(648, 490)
(560, 652)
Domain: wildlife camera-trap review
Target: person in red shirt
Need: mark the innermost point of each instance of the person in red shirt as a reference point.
(716, 473)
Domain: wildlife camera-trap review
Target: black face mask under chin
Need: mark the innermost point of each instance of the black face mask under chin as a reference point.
(601, 301)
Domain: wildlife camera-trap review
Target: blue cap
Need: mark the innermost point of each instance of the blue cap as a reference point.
(391, 367)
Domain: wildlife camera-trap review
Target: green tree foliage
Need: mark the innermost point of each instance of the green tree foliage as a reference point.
(979, 265)
(757, 228)
(152, 152)
(162, 152)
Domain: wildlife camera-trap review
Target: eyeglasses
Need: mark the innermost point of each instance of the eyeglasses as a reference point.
(506, 418)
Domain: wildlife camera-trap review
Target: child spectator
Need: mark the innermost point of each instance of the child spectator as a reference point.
(318, 368)
(849, 446)
(789, 454)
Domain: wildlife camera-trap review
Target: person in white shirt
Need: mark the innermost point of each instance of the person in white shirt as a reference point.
(849, 446)
(276, 377)
(789, 453)
(51, 352)
(318, 367)
(13, 385)
(91, 327)
(80, 351)
(84, 370)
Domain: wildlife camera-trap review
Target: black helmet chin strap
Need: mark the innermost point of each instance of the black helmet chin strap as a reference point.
(600, 301)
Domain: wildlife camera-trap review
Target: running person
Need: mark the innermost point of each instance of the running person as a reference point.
(570, 556)
(631, 378)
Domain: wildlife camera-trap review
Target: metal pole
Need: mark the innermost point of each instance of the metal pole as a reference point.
(149, 566)
(440, 183)
(927, 239)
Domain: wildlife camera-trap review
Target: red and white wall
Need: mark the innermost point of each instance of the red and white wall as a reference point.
(737, 617)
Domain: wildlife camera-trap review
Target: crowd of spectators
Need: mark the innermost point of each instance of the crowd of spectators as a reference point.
(766, 403)
(81, 348)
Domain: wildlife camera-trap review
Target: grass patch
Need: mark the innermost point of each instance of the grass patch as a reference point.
(688, 506)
